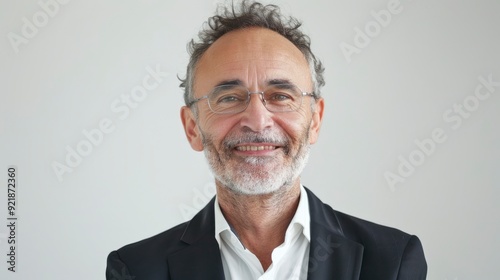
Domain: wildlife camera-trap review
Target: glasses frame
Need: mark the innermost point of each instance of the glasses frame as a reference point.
(261, 93)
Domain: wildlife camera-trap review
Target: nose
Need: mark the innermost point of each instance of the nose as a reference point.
(256, 116)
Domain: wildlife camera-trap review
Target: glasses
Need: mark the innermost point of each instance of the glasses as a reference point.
(233, 99)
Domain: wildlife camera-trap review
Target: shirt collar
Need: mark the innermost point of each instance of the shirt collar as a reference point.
(301, 218)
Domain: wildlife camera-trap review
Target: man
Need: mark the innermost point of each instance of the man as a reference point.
(253, 105)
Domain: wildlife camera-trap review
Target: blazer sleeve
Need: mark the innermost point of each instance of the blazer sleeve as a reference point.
(116, 269)
(413, 265)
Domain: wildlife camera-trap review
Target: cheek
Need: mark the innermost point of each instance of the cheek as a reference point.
(296, 127)
(216, 127)
(300, 117)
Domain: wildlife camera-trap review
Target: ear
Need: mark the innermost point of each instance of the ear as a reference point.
(191, 129)
(316, 121)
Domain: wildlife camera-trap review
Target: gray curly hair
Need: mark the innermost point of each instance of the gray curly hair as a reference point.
(250, 14)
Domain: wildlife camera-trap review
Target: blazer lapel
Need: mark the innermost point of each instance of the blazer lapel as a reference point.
(201, 258)
(331, 255)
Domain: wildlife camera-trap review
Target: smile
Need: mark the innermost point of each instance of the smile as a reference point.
(255, 148)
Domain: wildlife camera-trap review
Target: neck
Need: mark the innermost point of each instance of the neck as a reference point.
(260, 221)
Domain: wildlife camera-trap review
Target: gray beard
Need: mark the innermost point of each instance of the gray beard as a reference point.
(253, 179)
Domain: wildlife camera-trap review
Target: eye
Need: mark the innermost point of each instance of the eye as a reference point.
(232, 96)
(228, 99)
(280, 96)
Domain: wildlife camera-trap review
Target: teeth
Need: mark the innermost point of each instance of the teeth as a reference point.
(255, 148)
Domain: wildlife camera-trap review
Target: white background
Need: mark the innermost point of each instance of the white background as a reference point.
(143, 178)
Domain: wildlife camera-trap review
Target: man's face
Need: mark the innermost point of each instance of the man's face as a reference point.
(255, 151)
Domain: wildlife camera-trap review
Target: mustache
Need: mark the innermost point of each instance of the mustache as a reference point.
(271, 137)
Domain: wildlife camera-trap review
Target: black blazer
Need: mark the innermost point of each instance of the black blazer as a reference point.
(342, 247)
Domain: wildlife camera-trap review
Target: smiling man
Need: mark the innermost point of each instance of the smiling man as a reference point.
(253, 106)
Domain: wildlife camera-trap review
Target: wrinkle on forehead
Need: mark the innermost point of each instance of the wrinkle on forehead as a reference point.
(252, 55)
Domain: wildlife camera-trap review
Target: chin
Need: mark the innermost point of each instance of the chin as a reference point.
(256, 186)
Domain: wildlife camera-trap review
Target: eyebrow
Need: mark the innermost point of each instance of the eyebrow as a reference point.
(238, 82)
(279, 81)
(235, 82)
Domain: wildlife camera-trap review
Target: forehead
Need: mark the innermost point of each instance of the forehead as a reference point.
(254, 56)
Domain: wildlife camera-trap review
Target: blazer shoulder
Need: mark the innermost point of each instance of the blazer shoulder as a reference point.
(154, 248)
(367, 232)
(387, 251)
(147, 259)
(351, 224)
(351, 227)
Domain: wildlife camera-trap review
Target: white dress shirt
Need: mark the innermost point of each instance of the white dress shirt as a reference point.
(289, 260)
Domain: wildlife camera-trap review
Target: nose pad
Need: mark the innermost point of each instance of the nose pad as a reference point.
(256, 117)
(261, 97)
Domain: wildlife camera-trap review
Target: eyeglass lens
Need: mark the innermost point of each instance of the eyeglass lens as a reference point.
(234, 99)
